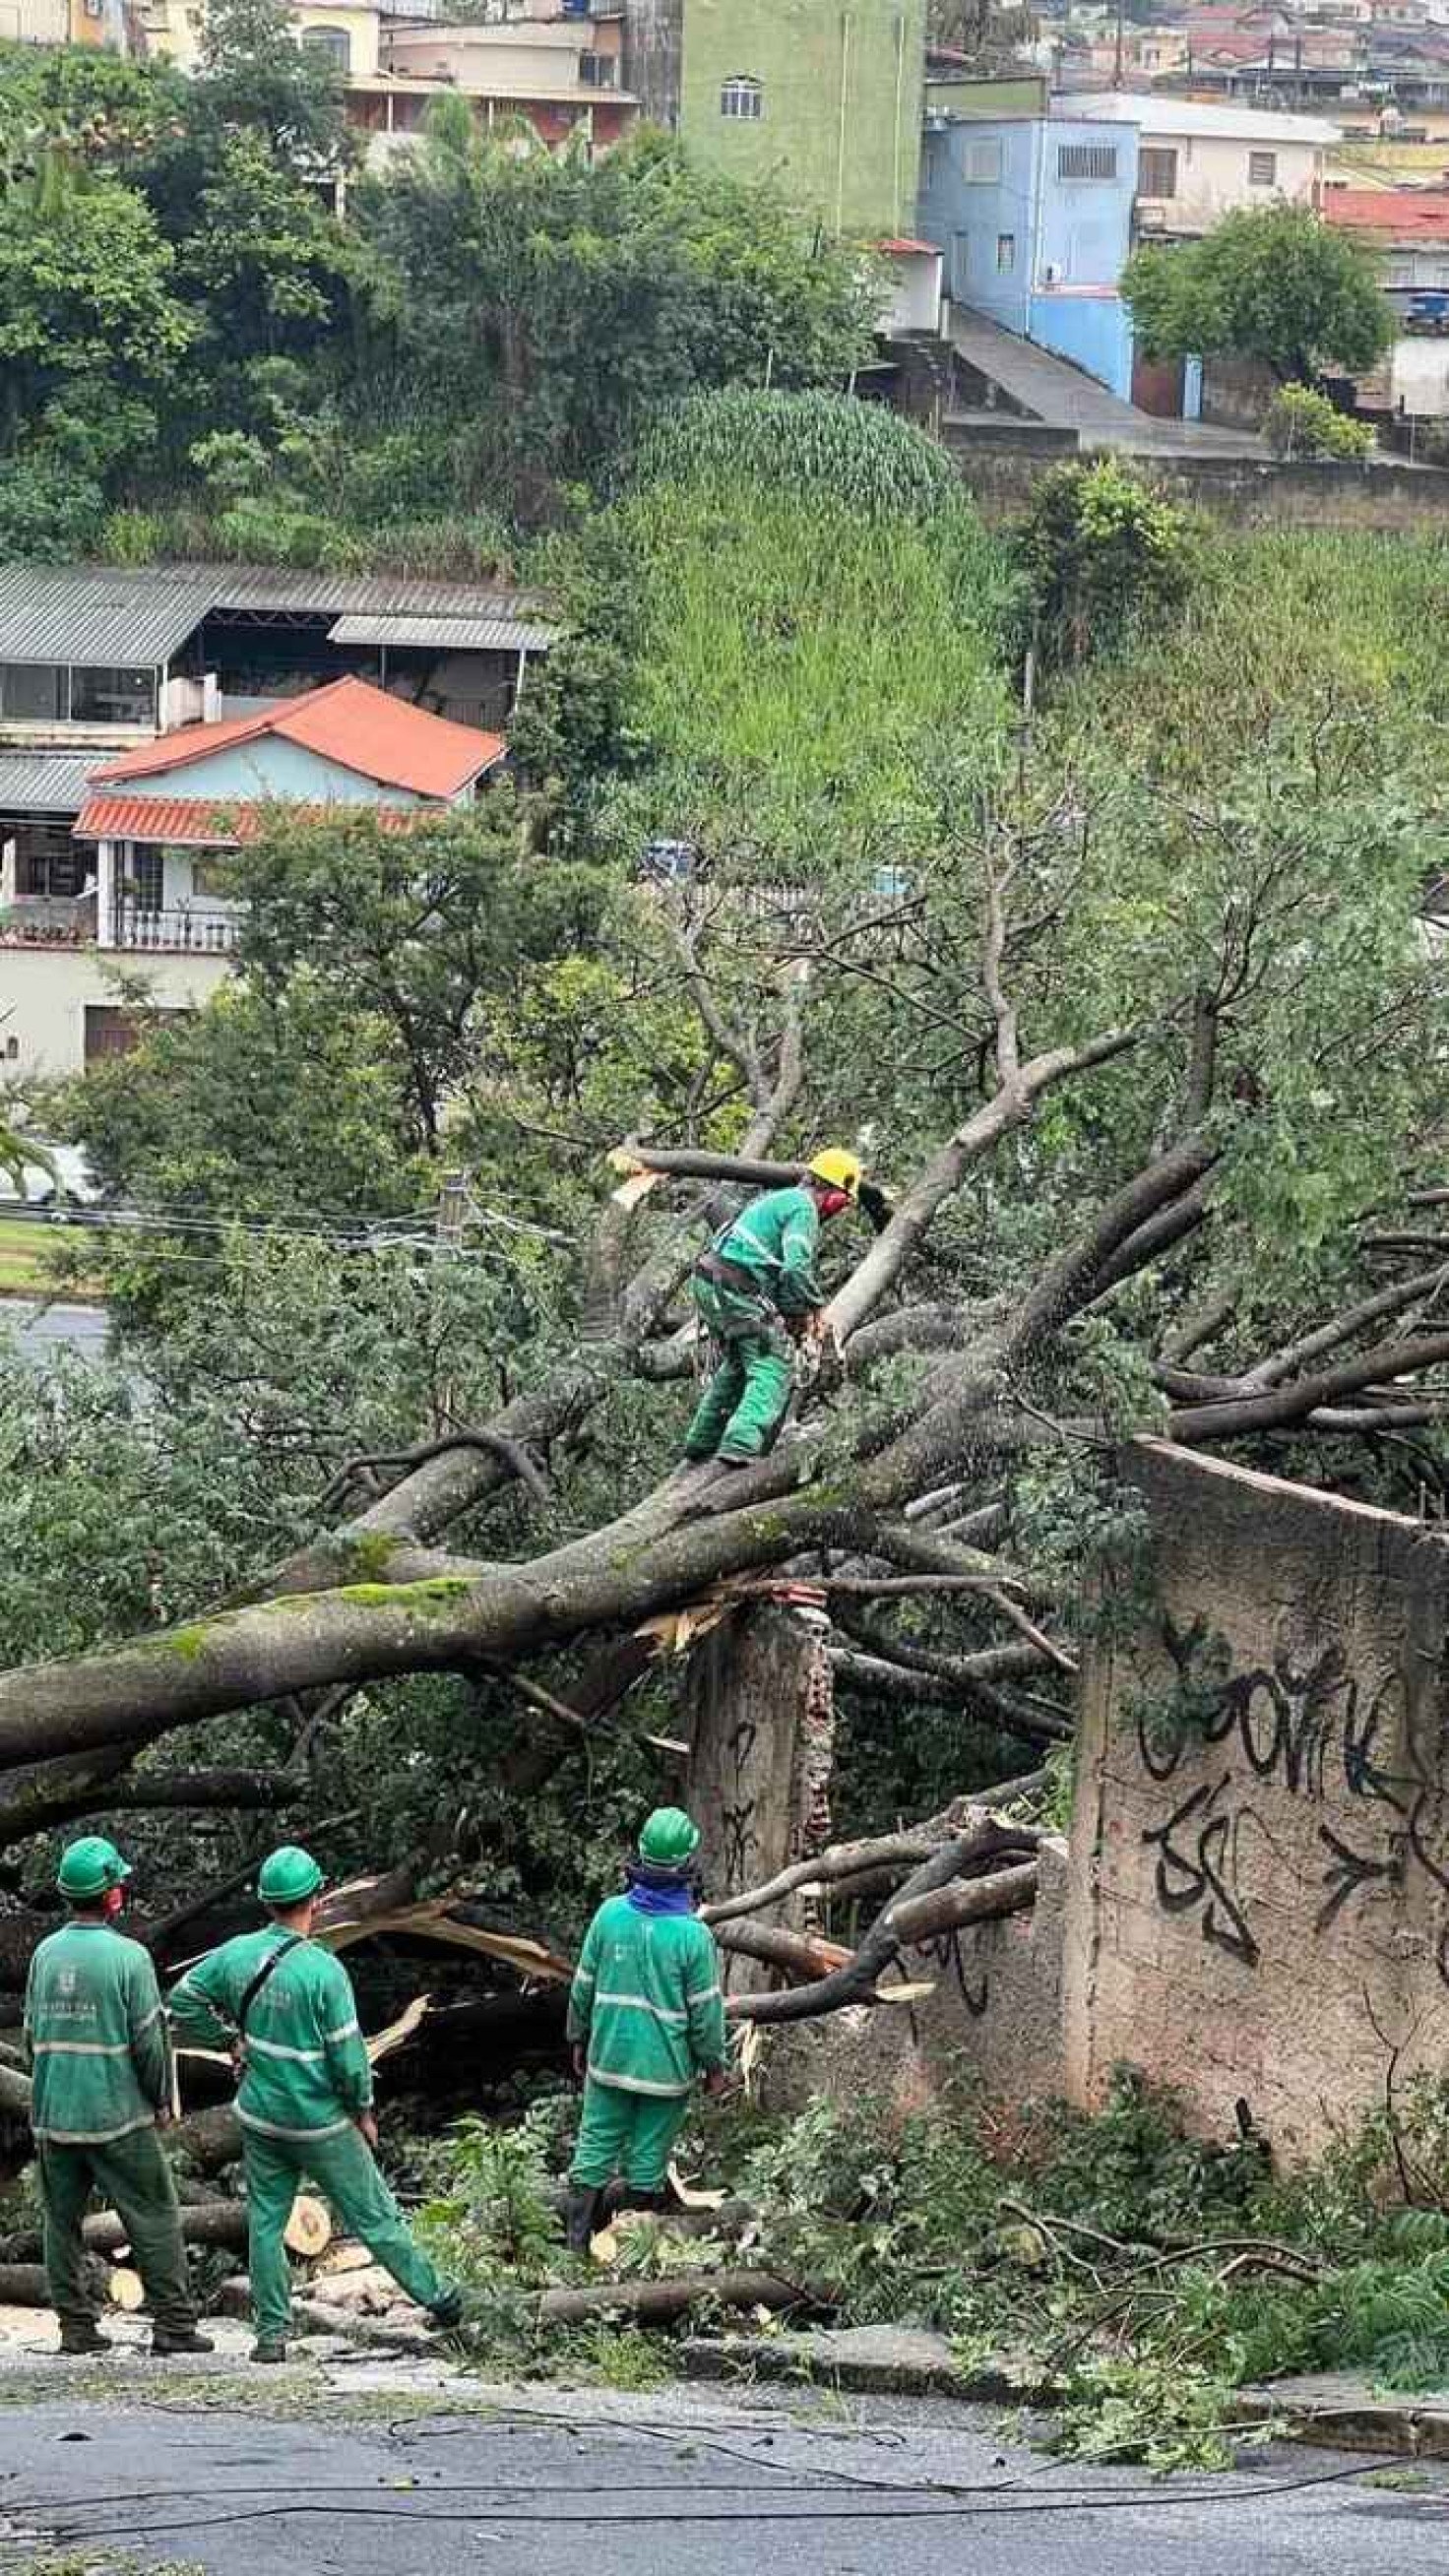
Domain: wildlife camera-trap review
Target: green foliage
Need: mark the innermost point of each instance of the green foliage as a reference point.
(815, 445)
(49, 513)
(1103, 554)
(1276, 284)
(1300, 422)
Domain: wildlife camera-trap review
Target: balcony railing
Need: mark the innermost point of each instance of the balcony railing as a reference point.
(48, 921)
(175, 926)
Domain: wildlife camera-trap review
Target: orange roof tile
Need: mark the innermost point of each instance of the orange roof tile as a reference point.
(197, 822)
(350, 722)
(1402, 214)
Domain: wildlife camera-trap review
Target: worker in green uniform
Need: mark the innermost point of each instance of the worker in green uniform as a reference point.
(756, 1293)
(305, 2102)
(96, 2038)
(646, 2018)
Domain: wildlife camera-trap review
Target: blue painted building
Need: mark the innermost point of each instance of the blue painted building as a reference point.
(1034, 216)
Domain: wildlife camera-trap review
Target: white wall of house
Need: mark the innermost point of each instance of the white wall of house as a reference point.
(45, 994)
(1223, 158)
(188, 898)
(512, 61)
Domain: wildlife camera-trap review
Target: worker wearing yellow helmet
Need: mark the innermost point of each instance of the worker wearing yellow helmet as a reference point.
(756, 1293)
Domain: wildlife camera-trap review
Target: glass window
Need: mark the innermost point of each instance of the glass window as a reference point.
(1086, 160)
(113, 697)
(983, 163)
(1157, 172)
(333, 43)
(1006, 250)
(33, 692)
(47, 862)
(1262, 169)
(743, 98)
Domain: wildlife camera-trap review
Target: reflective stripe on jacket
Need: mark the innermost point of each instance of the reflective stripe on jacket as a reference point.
(646, 1997)
(96, 2037)
(306, 2068)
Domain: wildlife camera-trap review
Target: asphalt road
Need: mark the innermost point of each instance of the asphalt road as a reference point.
(83, 1328)
(546, 2484)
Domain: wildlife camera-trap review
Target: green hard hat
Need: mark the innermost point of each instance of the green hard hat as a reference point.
(288, 1876)
(91, 1867)
(669, 1836)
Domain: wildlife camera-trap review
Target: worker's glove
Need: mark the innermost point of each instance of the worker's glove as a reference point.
(875, 1205)
(717, 2081)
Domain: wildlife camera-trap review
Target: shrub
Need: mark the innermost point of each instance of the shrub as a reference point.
(49, 513)
(132, 537)
(853, 452)
(1102, 553)
(1300, 422)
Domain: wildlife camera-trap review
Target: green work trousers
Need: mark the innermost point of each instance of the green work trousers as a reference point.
(626, 2133)
(342, 2165)
(745, 1401)
(133, 2178)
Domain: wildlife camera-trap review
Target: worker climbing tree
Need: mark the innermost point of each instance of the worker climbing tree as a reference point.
(757, 1294)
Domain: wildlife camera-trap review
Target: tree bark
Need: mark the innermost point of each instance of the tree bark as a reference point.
(747, 1685)
(661, 2303)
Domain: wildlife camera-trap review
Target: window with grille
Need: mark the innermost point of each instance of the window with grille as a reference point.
(1157, 172)
(1086, 160)
(982, 166)
(743, 99)
(1262, 169)
(1006, 250)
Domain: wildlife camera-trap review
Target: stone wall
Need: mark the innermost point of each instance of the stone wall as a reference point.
(1256, 1905)
(1259, 1899)
(1243, 491)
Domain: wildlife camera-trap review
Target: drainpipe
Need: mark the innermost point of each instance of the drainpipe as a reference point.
(1038, 217)
(897, 217)
(844, 102)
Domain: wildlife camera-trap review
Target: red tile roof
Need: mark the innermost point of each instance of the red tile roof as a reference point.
(197, 822)
(1399, 214)
(361, 728)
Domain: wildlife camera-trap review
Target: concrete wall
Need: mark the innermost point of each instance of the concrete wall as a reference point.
(841, 80)
(1238, 490)
(1255, 1906)
(1259, 1907)
(1093, 330)
(44, 994)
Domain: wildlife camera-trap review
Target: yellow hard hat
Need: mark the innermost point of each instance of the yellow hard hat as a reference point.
(841, 1171)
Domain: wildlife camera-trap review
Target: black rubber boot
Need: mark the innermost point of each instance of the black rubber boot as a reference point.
(581, 2219)
(448, 2313)
(164, 2341)
(655, 2202)
(268, 2348)
(82, 2334)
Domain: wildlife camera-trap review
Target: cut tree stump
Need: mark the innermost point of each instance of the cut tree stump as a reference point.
(658, 2303)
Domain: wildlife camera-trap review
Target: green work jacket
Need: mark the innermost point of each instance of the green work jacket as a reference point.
(96, 2037)
(646, 1998)
(305, 2064)
(776, 1239)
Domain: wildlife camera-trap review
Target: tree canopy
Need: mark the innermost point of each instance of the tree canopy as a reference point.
(1277, 283)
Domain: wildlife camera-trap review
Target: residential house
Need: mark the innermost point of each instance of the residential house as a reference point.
(1198, 161)
(559, 76)
(822, 96)
(1409, 228)
(111, 25)
(1038, 215)
(97, 663)
(1034, 215)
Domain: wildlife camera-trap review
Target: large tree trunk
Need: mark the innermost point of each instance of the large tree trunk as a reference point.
(749, 1685)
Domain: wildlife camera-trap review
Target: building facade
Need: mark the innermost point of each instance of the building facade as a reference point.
(1199, 161)
(1034, 216)
(821, 96)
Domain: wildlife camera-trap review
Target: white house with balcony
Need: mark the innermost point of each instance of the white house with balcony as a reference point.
(150, 843)
(1199, 160)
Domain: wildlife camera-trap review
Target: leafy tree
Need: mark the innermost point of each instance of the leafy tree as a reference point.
(90, 325)
(1276, 284)
(1102, 552)
(554, 304)
(255, 76)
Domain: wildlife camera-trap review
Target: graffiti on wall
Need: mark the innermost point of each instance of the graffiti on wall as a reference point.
(1303, 1728)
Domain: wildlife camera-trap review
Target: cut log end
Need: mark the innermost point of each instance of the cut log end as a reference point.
(126, 2289)
(308, 2231)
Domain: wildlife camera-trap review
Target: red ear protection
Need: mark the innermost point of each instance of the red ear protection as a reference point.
(834, 1202)
(115, 1900)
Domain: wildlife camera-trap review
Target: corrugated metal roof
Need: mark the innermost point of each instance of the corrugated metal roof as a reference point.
(340, 594)
(84, 613)
(447, 634)
(100, 614)
(45, 782)
(191, 822)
